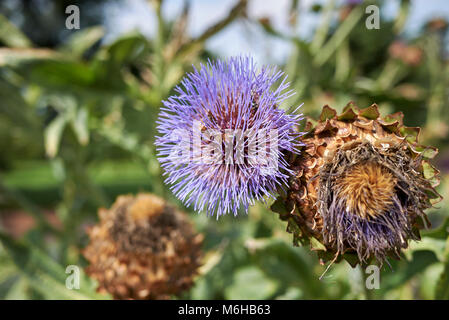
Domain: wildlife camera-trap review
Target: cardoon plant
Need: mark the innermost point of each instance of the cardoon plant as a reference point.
(223, 136)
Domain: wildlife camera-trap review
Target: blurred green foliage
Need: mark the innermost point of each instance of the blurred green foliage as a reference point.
(77, 126)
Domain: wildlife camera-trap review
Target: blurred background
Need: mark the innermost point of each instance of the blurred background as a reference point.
(77, 126)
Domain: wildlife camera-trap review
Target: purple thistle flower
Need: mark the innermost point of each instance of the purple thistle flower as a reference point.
(224, 137)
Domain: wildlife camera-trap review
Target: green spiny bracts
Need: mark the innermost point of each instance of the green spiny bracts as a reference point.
(360, 186)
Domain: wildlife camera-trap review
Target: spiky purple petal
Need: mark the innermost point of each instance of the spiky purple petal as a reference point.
(223, 97)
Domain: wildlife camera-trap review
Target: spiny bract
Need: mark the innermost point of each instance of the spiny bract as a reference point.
(360, 186)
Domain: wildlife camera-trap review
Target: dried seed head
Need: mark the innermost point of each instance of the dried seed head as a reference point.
(367, 189)
(360, 186)
(143, 249)
(147, 206)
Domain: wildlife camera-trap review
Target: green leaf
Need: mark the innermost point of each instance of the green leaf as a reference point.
(322, 31)
(18, 290)
(82, 40)
(442, 289)
(279, 207)
(59, 74)
(437, 246)
(80, 126)
(288, 264)
(250, 283)
(298, 236)
(14, 107)
(342, 33)
(291, 294)
(7, 269)
(442, 232)
(429, 280)
(53, 135)
(44, 274)
(127, 49)
(406, 270)
(316, 245)
(352, 259)
(11, 35)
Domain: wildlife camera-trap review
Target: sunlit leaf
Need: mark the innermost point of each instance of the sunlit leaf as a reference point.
(11, 35)
(80, 126)
(53, 134)
(250, 283)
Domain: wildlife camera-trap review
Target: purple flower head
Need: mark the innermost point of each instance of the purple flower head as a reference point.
(224, 137)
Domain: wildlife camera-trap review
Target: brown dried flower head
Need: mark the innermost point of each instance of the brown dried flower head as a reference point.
(143, 248)
(360, 186)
